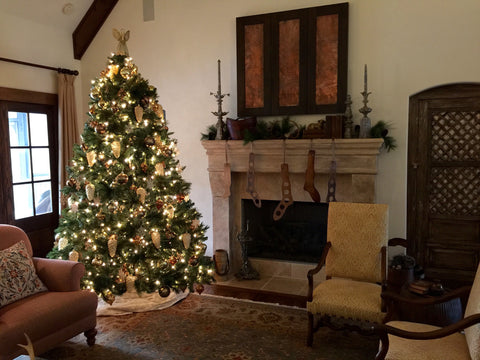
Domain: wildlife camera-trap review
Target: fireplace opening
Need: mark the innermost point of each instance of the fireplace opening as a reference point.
(300, 235)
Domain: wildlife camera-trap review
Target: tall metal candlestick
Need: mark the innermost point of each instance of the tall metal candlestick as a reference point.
(365, 123)
(219, 113)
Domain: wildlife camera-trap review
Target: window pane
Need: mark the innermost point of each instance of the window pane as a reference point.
(39, 129)
(23, 201)
(18, 128)
(43, 197)
(20, 165)
(41, 164)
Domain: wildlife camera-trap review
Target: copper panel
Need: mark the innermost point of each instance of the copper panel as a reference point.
(289, 62)
(254, 72)
(326, 60)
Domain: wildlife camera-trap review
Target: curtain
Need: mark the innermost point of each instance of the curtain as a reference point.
(69, 133)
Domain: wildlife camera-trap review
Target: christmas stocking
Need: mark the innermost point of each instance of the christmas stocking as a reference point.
(251, 181)
(287, 198)
(309, 185)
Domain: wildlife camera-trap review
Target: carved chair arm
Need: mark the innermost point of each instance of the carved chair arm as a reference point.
(319, 266)
(384, 330)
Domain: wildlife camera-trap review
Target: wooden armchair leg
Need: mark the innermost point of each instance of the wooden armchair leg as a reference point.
(310, 330)
(90, 335)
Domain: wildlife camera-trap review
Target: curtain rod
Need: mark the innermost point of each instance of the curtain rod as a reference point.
(60, 70)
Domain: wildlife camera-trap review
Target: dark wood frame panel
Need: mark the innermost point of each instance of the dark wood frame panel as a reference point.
(453, 97)
(307, 61)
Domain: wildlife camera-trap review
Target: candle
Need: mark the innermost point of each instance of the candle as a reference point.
(364, 79)
(219, 79)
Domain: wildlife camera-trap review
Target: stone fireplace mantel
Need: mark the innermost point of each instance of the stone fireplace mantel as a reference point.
(356, 171)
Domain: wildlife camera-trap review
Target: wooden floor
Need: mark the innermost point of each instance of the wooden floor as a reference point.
(256, 295)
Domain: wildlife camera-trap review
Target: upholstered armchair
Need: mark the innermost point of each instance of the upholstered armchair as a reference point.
(355, 266)
(40, 297)
(416, 341)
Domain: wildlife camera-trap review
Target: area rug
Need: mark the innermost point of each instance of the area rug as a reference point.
(212, 327)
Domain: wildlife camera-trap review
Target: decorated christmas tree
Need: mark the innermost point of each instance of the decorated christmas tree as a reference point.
(128, 217)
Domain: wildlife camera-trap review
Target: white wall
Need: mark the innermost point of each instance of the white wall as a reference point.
(32, 42)
(409, 45)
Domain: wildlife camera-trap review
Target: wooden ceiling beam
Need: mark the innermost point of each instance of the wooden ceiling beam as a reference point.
(90, 25)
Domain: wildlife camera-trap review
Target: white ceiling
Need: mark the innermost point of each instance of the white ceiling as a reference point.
(48, 12)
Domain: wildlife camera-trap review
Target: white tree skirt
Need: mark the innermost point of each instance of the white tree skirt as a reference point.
(131, 302)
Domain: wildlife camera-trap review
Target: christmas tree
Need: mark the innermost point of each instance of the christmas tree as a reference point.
(128, 217)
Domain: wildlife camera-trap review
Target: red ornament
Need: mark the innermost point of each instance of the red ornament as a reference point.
(172, 260)
(199, 288)
(159, 204)
(180, 197)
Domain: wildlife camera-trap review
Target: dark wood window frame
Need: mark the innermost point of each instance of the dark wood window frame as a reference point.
(29, 101)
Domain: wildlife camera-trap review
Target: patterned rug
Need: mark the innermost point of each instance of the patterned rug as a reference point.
(212, 327)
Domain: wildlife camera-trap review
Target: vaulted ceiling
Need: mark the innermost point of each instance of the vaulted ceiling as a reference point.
(83, 18)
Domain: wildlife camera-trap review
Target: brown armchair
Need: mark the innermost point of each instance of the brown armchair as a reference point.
(48, 317)
(355, 265)
(416, 341)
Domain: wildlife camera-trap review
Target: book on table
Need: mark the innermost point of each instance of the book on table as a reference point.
(420, 286)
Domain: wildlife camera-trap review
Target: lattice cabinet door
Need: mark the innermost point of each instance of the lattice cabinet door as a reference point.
(444, 182)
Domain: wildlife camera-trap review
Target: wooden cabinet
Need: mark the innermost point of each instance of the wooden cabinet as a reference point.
(293, 62)
(443, 196)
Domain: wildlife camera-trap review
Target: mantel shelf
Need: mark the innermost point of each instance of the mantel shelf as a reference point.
(353, 156)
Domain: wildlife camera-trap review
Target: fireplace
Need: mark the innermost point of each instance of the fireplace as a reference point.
(355, 182)
(300, 235)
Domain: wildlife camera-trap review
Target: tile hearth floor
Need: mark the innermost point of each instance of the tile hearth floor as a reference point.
(275, 284)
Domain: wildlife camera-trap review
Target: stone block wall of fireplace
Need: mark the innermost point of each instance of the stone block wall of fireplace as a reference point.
(356, 171)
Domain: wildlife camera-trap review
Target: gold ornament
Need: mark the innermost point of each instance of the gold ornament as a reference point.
(149, 141)
(121, 178)
(100, 215)
(91, 157)
(142, 193)
(158, 141)
(156, 238)
(112, 70)
(158, 109)
(74, 207)
(90, 190)
(112, 245)
(62, 243)
(186, 239)
(108, 297)
(116, 148)
(73, 255)
(126, 72)
(160, 168)
(139, 113)
(170, 211)
(97, 261)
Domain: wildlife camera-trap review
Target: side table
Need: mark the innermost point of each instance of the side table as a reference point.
(441, 314)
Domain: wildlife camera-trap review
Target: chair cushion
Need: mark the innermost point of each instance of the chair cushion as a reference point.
(348, 299)
(472, 334)
(452, 347)
(357, 233)
(18, 278)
